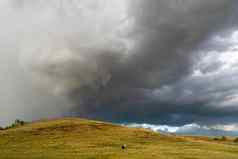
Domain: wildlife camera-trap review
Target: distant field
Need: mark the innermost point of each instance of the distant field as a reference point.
(75, 138)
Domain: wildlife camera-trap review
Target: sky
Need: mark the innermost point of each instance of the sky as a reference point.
(158, 62)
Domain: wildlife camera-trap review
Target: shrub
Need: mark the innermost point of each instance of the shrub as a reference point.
(223, 138)
(236, 140)
(216, 139)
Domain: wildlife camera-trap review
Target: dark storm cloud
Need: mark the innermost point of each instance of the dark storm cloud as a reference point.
(126, 60)
(165, 35)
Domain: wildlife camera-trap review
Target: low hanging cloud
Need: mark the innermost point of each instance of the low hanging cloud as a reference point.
(153, 61)
(191, 129)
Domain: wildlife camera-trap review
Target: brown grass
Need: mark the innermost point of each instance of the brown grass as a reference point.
(73, 138)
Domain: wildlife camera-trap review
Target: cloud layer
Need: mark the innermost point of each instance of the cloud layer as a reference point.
(191, 129)
(154, 61)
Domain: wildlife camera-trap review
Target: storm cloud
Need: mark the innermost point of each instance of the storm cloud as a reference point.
(156, 61)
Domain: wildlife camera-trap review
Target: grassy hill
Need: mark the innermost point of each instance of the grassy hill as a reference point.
(74, 138)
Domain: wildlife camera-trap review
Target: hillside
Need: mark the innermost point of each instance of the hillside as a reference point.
(74, 138)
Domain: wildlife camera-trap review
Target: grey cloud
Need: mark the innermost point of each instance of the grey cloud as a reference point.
(108, 63)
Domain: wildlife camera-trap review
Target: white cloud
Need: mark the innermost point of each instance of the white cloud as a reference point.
(191, 129)
(152, 127)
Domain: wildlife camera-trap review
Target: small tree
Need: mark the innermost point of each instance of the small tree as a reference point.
(223, 138)
(17, 123)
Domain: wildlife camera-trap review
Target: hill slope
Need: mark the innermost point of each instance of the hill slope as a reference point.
(73, 138)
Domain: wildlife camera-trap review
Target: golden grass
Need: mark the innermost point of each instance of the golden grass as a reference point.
(74, 138)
